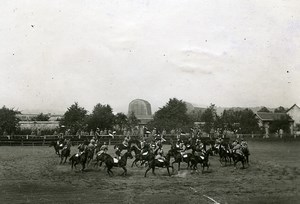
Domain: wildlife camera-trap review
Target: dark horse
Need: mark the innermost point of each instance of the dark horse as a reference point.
(140, 156)
(65, 152)
(225, 155)
(178, 157)
(120, 147)
(245, 150)
(79, 159)
(109, 162)
(157, 163)
(56, 146)
(89, 154)
(239, 158)
(202, 158)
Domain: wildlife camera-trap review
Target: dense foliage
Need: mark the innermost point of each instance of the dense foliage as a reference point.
(74, 118)
(8, 120)
(171, 116)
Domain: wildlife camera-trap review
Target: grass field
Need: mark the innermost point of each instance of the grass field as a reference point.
(33, 175)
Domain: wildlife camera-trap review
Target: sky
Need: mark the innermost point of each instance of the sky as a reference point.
(230, 53)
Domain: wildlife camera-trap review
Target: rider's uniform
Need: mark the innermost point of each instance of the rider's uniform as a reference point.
(159, 154)
(126, 142)
(103, 149)
(237, 149)
(81, 149)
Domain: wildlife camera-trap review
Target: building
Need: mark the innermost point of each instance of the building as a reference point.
(266, 118)
(27, 122)
(39, 125)
(142, 110)
(294, 113)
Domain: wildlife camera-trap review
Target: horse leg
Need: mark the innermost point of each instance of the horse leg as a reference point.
(168, 170)
(153, 169)
(178, 166)
(83, 166)
(147, 170)
(134, 162)
(125, 171)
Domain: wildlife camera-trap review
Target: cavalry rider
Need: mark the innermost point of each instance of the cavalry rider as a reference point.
(82, 147)
(237, 148)
(126, 141)
(159, 153)
(200, 146)
(103, 148)
(244, 145)
(92, 144)
(145, 147)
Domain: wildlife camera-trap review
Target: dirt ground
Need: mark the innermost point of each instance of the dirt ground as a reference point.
(33, 175)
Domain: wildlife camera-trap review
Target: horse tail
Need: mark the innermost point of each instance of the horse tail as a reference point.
(115, 146)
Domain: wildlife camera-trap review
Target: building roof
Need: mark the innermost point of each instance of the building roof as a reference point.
(294, 106)
(269, 116)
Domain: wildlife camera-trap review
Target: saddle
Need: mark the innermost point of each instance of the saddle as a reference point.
(160, 160)
(184, 154)
(145, 153)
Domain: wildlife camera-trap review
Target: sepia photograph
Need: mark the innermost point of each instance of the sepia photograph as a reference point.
(149, 102)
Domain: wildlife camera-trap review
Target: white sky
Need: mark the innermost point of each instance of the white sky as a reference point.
(231, 53)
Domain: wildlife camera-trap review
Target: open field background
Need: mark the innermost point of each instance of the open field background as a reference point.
(33, 175)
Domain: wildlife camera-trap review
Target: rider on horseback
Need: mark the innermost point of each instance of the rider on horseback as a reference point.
(82, 148)
(103, 148)
(159, 153)
(237, 148)
(126, 141)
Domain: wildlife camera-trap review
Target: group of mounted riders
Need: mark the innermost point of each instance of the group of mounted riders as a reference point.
(192, 151)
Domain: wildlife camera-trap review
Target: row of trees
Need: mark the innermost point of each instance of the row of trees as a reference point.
(172, 116)
(76, 119)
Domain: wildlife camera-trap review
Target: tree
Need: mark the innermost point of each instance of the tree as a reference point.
(8, 120)
(209, 116)
(280, 109)
(41, 117)
(74, 118)
(132, 120)
(121, 120)
(102, 117)
(264, 109)
(243, 121)
(248, 122)
(282, 123)
(195, 115)
(171, 116)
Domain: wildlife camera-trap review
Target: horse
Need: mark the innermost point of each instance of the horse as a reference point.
(141, 157)
(245, 150)
(89, 154)
(159, 163)
(79, 159)
(178, 157)
(110, 162)
(100, 157)
(239, 158)
(203, 159)
(65, 152)
(56, 146)
(225, 155)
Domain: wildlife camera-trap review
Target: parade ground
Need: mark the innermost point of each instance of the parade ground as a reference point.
(33, 175)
